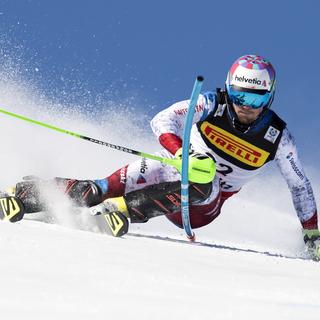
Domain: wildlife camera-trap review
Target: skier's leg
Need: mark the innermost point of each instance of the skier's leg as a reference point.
(164, 199)
(82, 192)
(135, 176)
(160, 199)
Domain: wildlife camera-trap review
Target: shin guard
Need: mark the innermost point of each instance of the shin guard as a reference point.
(162, 199)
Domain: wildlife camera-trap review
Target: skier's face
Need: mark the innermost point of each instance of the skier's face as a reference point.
(246, 114)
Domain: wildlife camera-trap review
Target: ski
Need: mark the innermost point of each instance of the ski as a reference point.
(309, 256)
(113, 223)
(11, 209)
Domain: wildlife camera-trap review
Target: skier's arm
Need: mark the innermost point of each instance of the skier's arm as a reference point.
(290, 166)
(167, 125)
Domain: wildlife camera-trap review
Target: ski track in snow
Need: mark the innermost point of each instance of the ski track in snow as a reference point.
(65, 269)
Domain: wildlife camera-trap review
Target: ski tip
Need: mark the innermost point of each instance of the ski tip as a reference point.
(200, 78)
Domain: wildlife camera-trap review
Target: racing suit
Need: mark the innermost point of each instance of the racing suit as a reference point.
(239, 158)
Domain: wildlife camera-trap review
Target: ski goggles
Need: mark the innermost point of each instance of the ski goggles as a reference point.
(249, 97)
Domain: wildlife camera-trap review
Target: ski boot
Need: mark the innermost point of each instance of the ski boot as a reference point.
(112, 216)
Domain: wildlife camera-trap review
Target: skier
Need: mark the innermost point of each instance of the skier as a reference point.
(234, 127)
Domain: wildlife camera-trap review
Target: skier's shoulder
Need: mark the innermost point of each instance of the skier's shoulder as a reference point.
(208, 97)
(276, 118)
(287, 147)
(213, 98)
(287, 139)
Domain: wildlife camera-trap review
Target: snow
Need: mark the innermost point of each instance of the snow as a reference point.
(65, 269)
(51, 272)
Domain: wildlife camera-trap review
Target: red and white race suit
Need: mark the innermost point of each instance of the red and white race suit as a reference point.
(238, 161)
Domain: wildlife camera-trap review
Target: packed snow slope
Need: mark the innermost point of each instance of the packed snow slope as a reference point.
(56, 265)
(51, 272)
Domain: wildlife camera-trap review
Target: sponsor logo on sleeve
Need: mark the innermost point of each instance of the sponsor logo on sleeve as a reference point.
(143, 169)
(234, 146)
(183, 111)
(272, 134)
(143, 166)
(294, 166)
(290, 154)
(123, 175)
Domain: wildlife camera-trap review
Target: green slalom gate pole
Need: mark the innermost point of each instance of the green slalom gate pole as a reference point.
(172, 162)
(198, 173)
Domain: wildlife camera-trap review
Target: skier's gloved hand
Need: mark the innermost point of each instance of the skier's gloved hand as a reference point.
(192, 154)
(311, 235)
(202, 168)
(311, 238)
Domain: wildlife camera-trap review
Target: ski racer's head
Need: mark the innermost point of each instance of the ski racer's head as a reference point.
(250, 88)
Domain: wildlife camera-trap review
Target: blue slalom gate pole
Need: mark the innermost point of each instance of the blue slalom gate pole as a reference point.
(185, 159)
